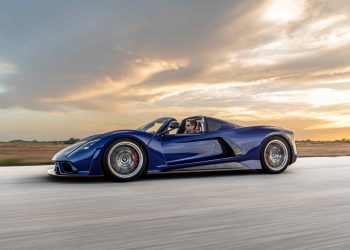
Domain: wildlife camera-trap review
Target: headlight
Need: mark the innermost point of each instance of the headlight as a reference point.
(84, 146)
(68, 150)
(88, 144)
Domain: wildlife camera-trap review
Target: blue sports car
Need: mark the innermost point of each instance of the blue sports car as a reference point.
(165, 145)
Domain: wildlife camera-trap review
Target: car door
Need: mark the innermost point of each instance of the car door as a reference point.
(186, 148)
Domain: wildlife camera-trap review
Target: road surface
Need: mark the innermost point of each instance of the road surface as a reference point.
(307, 207)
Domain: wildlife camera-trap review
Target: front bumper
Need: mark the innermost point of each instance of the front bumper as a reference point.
(68, 169)
(84, 163)
(51, 172)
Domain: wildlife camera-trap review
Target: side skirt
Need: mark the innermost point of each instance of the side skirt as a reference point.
(211, 167)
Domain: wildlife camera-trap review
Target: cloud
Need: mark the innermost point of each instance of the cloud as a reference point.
(6, 68)
(240, 60)
(284, 11)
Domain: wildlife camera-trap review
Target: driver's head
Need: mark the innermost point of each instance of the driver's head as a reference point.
(190, 126)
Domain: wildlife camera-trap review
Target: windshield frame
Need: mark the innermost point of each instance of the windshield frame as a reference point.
(163, 120)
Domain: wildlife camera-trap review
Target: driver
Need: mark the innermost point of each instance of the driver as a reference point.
(191, 126)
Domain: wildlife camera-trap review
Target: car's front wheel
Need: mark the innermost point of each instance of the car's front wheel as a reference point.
(124, 160)
(275, 155)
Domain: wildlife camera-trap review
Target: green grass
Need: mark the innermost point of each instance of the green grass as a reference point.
(21, 162)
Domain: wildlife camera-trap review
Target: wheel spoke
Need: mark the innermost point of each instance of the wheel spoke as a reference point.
(276, 155)
(125, 159)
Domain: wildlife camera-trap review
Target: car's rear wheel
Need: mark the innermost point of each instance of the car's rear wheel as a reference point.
(275, 155)
(124, 160)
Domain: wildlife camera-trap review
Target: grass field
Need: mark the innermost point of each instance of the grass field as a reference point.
(308, 149)
(15, 154)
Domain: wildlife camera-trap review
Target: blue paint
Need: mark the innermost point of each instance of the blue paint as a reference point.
(167, 152)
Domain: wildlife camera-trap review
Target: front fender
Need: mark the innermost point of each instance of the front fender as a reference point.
(150, 142)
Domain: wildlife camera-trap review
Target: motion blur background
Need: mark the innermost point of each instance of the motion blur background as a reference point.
(74, 68)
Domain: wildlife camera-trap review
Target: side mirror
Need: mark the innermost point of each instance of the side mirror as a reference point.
(174, 125)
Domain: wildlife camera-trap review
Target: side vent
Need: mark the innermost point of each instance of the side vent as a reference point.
(229, 148)
(226, 149)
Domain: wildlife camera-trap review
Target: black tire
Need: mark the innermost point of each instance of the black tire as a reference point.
(275, 155)
(124, 160)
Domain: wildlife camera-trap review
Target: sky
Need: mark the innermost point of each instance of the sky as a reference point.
(80, 67)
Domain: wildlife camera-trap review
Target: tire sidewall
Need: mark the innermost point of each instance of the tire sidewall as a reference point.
(265, 166)
(110, 175)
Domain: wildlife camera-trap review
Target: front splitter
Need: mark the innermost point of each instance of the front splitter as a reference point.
(51, 172)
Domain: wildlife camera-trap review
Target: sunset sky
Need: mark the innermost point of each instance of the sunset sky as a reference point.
(75, 68)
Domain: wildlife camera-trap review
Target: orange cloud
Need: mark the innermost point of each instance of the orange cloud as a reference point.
(283, 63)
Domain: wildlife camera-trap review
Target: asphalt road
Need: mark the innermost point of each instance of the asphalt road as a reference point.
(307, 207)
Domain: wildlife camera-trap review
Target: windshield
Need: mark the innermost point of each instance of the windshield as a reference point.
(155, 125)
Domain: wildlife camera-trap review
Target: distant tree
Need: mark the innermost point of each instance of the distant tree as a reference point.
(16, 141)
(71, 141)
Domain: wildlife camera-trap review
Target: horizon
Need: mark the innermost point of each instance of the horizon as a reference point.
(72, 69)
(347, 140)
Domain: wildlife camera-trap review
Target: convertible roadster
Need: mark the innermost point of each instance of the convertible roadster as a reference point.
(165, 145)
